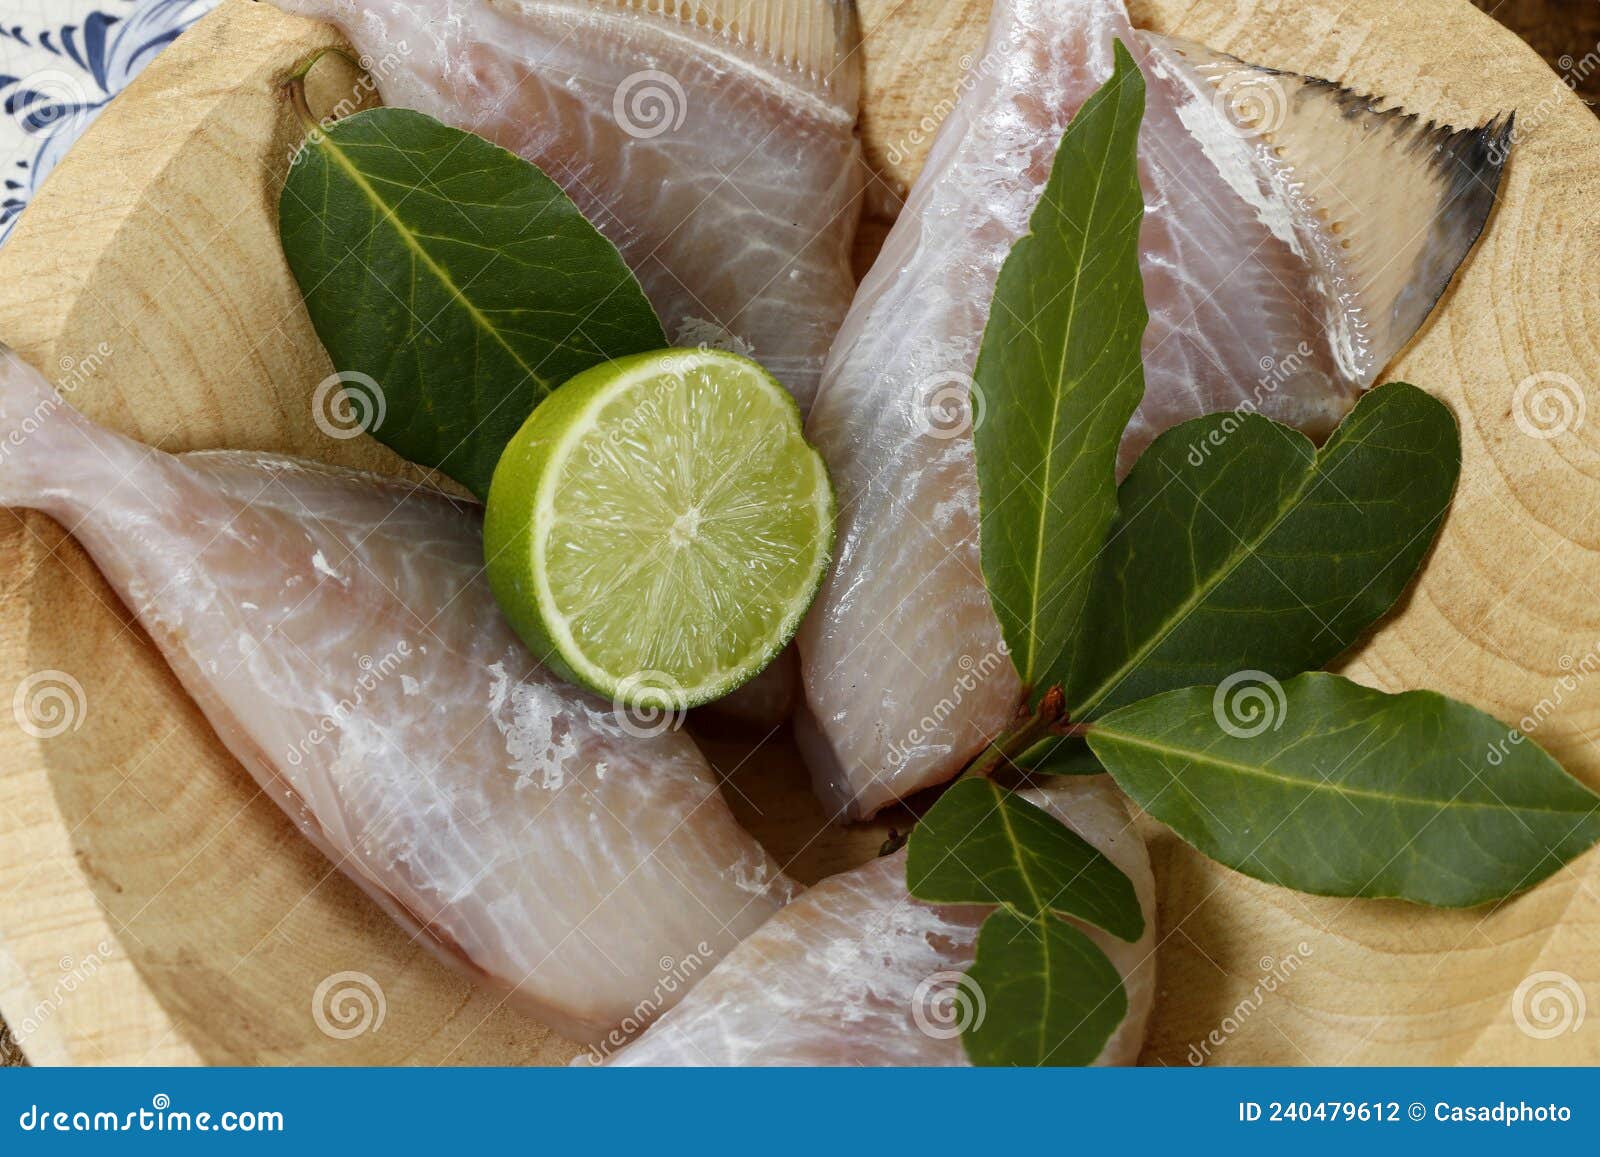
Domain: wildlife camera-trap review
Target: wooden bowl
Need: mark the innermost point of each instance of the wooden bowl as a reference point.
(156, 908)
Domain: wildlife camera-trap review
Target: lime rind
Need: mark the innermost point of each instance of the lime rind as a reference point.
(591, 643)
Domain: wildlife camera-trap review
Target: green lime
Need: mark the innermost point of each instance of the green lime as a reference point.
(658, 527)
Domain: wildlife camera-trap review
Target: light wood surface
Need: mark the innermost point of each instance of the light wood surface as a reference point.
(136, 843)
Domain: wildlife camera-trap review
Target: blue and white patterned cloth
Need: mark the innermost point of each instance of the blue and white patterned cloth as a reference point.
(61, 62)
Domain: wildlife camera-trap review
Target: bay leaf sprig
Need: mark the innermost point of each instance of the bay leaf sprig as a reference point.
(1175, 645)
(454, 274)
(1061, 351)
(1061, 355)
(1239, 545)
(1052, 996)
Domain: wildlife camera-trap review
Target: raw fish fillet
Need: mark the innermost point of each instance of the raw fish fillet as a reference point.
(855, 972)
(337, 633)
(711, 140)
(1294, 239)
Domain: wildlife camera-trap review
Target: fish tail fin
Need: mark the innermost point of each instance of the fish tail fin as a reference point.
(813, 42)
(1385, 204)
(39, 431)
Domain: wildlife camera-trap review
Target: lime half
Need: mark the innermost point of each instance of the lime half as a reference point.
(658, 527)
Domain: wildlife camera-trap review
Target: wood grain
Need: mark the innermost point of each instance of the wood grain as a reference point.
(137, 832)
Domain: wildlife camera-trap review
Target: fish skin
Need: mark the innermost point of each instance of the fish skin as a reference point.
(739, 222)
(833, 979)
(903, 665)
(535, 842)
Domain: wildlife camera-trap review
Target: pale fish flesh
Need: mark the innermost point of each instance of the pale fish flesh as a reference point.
(855, 972)
(711, 140)
(337, 633)
(1295, 238)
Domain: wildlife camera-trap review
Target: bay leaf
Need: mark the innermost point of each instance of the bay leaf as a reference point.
(1060, 755)
(1242, 546)
(1058, 376)
(1047, 994)
(456, 276)
(981, 844)
(1325, 786)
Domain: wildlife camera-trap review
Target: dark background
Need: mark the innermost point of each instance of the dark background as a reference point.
(1556, 29)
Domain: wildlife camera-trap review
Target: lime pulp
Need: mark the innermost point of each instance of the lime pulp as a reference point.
(658, 527)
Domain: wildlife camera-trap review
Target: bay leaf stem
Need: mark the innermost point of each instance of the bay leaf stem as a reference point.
(1044, 721)
(295, 83)
(296, 86)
